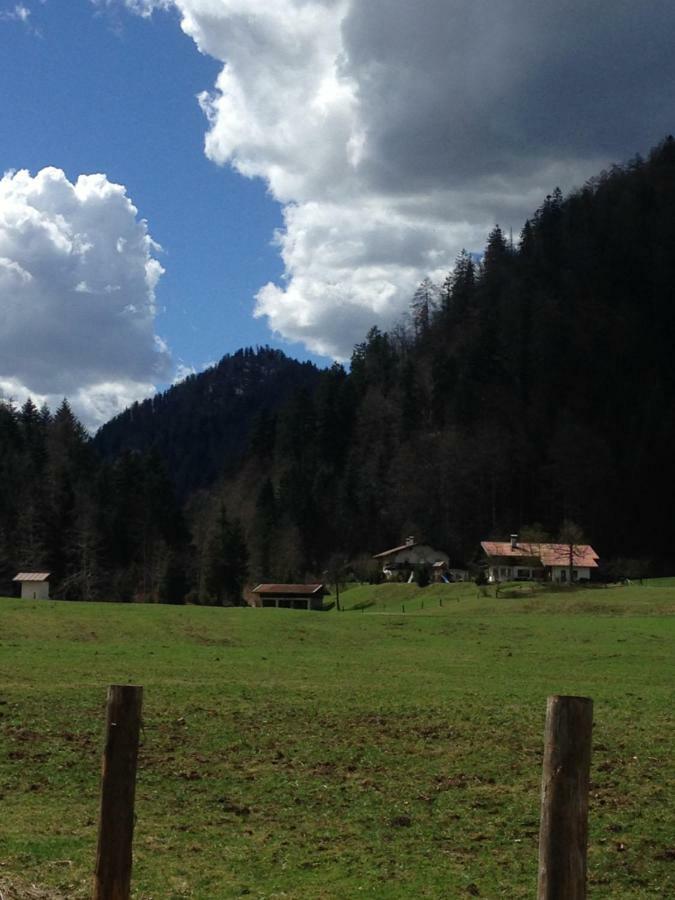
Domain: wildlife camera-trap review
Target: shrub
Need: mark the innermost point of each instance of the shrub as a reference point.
(423, 576)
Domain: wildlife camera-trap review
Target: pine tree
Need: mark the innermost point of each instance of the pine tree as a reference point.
(175, 582)
(83, 575)
(226, 561)
(264, 525)
(458, 290)
(423, 306)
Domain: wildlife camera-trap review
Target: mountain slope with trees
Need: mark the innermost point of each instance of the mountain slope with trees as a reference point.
(535, 387)
(200, 426)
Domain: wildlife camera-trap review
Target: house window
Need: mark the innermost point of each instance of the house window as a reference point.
(523, 573)
(563, 575)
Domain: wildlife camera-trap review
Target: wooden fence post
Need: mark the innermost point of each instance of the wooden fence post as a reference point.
(563, 836)
(112, 878)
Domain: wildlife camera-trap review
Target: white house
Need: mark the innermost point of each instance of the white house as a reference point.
(516, 560)
(408, 556)
(34, 585)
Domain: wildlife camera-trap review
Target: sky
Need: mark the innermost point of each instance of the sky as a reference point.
(186, 177)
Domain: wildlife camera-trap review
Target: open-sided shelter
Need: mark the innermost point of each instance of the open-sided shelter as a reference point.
(291, 596)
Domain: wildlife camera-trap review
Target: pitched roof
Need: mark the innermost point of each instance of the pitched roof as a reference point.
(396, 549)
(290, 589)
(549, 554)
(32, 576)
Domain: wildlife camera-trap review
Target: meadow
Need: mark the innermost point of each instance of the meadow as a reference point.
(366, 753)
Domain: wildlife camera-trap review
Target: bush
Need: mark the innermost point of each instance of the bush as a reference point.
(423, 576)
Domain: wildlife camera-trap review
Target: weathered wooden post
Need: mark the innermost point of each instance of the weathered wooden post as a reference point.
(563, 835)
(112, 878)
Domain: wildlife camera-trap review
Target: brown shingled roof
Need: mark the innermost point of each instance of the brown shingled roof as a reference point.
(32, 576)
(395, 550)
(289, 589)
(549, 554)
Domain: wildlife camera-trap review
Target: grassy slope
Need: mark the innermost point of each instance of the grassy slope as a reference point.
(308, 755)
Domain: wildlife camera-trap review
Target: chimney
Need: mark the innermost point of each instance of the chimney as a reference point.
(514, 541)
(410, 540)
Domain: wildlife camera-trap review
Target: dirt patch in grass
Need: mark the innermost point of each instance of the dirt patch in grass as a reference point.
(13, 889)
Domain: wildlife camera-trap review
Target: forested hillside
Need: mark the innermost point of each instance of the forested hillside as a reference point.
(102, 529)
(200, 427)
(534, 386)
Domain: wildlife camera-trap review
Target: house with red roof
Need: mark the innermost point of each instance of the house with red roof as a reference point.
(516, 560)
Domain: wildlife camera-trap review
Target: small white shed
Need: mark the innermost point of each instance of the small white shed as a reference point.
(34, 585)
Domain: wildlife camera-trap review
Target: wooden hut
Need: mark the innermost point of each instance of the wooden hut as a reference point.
(291, 596)
(34, 585)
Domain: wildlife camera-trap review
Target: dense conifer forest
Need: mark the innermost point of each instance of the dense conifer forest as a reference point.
(534, 386)
(201, 426)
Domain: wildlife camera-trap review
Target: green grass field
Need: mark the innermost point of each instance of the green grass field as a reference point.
(339, 755)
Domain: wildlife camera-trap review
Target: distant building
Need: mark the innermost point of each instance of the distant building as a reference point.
(291, 596)
(516, 560)
(443, 572)
(34, 585)
(404, 559)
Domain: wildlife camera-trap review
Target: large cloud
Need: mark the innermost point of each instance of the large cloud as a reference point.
(395, 133)
(77, 282)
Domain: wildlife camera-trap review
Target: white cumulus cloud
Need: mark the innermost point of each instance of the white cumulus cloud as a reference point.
(77, 294)
(395, 133)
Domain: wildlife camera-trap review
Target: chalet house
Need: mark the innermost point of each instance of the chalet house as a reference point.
(516, 560)
(34, 585)
(290, 596)
(405, 559)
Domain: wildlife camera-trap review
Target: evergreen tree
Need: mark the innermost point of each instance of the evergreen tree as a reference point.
(175, 582)
(458, 290)
(83, 575)
(423, 306)
(264, 525)
(226, 561)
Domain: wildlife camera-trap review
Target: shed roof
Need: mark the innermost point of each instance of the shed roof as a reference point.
(290, 589)
(32, 576)
(549, 554)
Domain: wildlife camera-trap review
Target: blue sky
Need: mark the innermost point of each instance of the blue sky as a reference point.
(108, 91)
(304, 164)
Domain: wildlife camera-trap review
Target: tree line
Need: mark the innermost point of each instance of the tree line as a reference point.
(534, 385)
